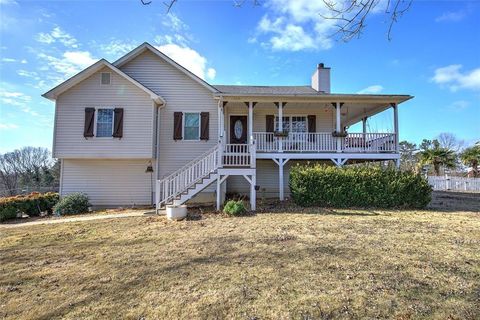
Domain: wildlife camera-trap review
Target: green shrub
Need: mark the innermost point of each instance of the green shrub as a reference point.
(234, 208)
(32, 204)
(358, 186)
(8, 212)
(74, 203)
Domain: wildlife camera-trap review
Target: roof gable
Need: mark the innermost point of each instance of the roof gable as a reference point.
(86, 73)
(146, 46)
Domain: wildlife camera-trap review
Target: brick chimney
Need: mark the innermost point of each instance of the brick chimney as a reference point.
(321, 79)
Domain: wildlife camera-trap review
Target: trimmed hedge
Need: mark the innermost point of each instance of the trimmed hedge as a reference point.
(32, 204)
(73, 203)
(330, 186)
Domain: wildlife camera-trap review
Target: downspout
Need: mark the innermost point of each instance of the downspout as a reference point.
(157, 156)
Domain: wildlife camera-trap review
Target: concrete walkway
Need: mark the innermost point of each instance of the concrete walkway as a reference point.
(55, 220)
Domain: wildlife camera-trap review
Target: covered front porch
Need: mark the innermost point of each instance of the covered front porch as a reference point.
(312, 128)
(309, 125)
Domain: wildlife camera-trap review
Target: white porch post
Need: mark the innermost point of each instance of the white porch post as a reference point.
(395, 125)
(280, 163)
(253, 192)
(219, 190)
(219, 115)
(338, 126)
(280, 127)
(250, 122)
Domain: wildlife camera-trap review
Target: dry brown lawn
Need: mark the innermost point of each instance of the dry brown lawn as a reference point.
(317, 264)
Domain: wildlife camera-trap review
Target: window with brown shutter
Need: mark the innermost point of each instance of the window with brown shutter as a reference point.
(177, 125)
(204, 126)
(89, 122)
(118, 123)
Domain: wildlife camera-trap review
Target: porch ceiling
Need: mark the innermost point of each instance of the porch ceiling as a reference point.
(354, 108)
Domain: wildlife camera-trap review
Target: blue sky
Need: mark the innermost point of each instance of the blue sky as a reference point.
(434, 55)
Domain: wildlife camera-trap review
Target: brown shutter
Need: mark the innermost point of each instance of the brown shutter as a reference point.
(89, 121)
(270, 123)
(312, 123)
(177, 125)
(204, 126)
(117, 123)
(312, 126)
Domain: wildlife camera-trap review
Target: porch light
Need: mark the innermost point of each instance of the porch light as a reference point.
(149, 169)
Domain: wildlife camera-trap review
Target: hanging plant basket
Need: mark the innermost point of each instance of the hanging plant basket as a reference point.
(280, 133)
(341, 134)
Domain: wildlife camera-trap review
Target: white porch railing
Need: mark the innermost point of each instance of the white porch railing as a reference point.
(187, 176)
(369, 142)
(239, 155)
(325, 142)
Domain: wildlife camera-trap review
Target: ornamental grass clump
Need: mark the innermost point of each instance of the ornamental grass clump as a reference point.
(358, 186)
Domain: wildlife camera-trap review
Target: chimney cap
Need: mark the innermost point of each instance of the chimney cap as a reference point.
(321, 65)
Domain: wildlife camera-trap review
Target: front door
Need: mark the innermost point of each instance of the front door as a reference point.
(238, 129)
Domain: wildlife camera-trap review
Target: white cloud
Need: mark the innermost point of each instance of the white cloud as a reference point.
(452, 77)
(118, 48)
(173, 22)
(294, 25)
(45, 38)
(8, 126)
(451, 16)
(70, 63)
(11, 60)
(188, 58)
(371, 89)
(211, 73)
(18, 100)
(57, 34)
(7, 2)
(459, 105)
(28, 74)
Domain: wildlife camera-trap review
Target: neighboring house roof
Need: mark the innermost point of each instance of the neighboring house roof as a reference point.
(274, 90)
(146, 46)
(82, 75)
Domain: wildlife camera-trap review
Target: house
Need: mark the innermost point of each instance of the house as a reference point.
(144, 130)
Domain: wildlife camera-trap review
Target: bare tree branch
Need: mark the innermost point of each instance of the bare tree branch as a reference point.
(352, 16)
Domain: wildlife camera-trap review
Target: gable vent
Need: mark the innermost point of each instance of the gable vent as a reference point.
(105, 77)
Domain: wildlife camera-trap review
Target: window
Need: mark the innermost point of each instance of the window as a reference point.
(104, 123)
(293, 123)
(191, 126)
(105, 78)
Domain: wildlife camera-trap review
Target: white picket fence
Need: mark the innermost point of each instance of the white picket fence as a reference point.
(447, 183)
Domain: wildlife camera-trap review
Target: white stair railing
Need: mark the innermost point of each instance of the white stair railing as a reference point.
(193, 172)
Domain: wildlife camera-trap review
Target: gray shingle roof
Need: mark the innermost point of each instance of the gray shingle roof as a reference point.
(274, 90)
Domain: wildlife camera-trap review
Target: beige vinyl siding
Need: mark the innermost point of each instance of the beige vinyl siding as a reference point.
(137, 140)
(108, 183)
(325, 121)
(267, 179)
(182, 94)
